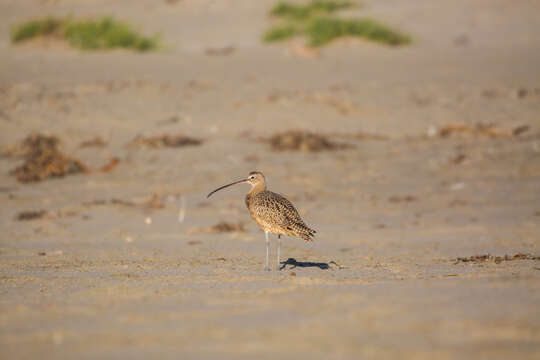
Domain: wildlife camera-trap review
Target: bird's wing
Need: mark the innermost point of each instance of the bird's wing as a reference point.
(289, 211)
(293, 221)
(275, 209)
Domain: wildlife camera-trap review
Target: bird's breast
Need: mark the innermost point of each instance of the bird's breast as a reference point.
(248, 201)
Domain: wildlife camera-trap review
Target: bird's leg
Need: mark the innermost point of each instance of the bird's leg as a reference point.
(278, 250)
(267, 250)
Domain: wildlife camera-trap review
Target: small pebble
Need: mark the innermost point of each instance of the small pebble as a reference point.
(521, 93)
(457, 186)
(432, 131)
(57, 337)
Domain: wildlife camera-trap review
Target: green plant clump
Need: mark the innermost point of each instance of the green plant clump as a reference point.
(105, 33)
(316, 21)
(33, 28)
(279, 33)
(301, 12)
(323, 30)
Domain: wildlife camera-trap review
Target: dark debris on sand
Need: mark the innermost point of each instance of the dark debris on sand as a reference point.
(43, 159)
(32, 144)
(480, 129)
(304, 141)
(156, 142)
(95, 142)
(369, 136)
(227, 227)
(30, 215)
(155, 201)
(221, 227)
(398, 199)
(496, 259)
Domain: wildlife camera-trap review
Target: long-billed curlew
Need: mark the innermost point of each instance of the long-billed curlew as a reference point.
(274, 213)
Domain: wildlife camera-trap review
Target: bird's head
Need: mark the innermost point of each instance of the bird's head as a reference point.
(255, 179)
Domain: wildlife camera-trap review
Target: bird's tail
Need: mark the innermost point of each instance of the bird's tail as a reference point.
(304, 232)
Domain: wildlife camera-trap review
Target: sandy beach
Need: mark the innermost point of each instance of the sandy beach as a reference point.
(427, 211)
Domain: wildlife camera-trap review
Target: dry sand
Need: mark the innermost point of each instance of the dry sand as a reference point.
(103, 275)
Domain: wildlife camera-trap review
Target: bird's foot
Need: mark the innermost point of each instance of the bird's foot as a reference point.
(266, 268)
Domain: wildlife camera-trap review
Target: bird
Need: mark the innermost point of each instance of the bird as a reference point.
(272, 212)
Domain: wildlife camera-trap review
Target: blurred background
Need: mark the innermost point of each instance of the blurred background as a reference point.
(407, 133)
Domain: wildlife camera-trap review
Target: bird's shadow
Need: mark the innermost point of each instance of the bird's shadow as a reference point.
(294, 263)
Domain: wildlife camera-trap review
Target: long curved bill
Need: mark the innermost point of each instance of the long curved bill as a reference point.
(224, 186)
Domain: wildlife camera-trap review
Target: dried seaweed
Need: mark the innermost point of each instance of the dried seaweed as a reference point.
(488, 130)
(95, 142)
(43, 214)
(154, 202)
(305, 141)
(30, 215)
(227, 227)
(43, 159)
(520, 130)
(341, 106)
(220, 51)
(496, 259)
(156, 142)
(221, 227)
(369, 136)
(32, 144)
(398, 199)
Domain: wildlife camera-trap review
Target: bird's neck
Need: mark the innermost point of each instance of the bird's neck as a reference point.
(257, 189)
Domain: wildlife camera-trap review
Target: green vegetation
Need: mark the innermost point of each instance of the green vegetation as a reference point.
(316, 21)
(105, 33)
(31, 29)
(279, 33)
(301, 12)
(323, 30)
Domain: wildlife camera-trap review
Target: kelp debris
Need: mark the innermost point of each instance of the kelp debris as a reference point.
(489, 130)
(221, 227)
(398, 199)
(496, 259)
(154, 202)
(43, 159)
(95, 142)
(43, 214)
(30, 215)
(159, 141)
(304, 141)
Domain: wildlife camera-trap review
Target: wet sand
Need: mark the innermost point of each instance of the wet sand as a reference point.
(106, 275)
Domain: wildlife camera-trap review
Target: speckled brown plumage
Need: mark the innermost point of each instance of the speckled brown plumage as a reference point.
(276, 214)
(273, 212)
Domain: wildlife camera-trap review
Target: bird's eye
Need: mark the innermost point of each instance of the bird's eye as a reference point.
(252, 177)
